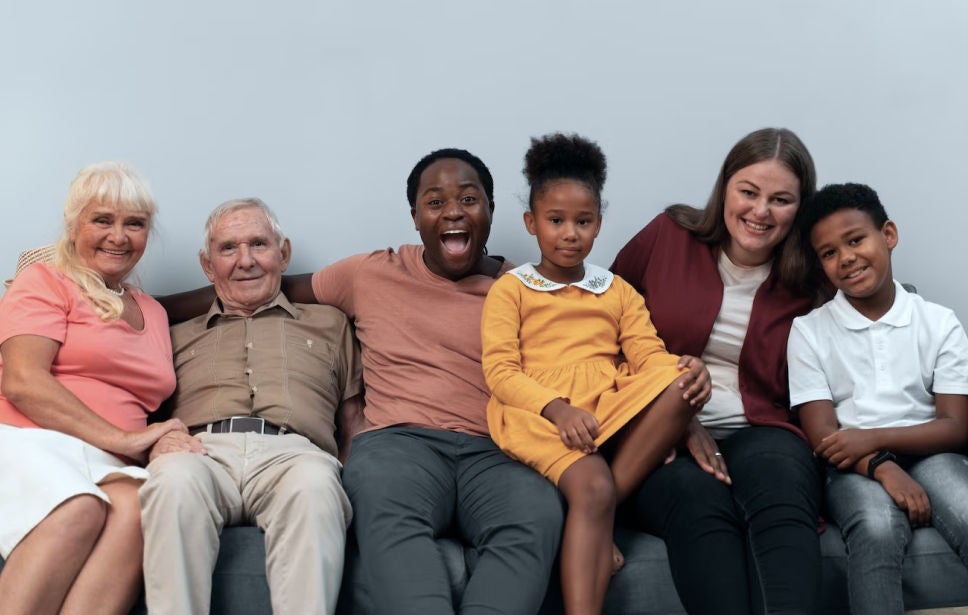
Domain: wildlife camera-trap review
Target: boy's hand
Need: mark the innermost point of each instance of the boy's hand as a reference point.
(906, 491)
(706, 452)
(846, 447)
(577, 428)
(696, 383)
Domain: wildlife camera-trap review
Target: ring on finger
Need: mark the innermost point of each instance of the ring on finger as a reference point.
(717, 454)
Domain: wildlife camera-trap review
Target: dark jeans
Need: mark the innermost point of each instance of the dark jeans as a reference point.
(749, 548)
(409, 485)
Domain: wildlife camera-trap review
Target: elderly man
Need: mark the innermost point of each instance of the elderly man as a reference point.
(260, 381)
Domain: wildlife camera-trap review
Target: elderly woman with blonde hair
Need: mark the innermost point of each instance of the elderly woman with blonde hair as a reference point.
(84, 357)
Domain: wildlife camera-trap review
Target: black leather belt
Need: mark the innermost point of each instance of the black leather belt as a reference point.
(239, 424)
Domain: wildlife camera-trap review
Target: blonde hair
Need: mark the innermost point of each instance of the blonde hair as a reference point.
(112, 185)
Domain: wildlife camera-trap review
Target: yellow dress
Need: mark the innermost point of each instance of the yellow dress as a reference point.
(543, 340)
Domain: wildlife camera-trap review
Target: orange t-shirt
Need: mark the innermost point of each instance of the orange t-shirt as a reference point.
(119, 373)
(420, 338)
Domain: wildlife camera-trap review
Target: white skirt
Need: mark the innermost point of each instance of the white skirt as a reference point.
(40, 469)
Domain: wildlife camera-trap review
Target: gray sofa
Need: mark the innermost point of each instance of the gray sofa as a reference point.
(933, 576)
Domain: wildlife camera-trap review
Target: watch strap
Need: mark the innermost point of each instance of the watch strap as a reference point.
(879, 458)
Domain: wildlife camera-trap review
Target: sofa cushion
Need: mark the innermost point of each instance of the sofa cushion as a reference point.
(933, 576)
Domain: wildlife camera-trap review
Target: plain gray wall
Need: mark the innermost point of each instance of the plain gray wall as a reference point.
(322, 108)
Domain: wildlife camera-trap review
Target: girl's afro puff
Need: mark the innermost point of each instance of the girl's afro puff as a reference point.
(561, 156)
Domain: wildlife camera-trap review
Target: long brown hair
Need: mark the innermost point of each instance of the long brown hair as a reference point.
(708, 224)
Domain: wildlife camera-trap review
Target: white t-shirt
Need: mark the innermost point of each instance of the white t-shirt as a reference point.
(724, 412)
(881, 373)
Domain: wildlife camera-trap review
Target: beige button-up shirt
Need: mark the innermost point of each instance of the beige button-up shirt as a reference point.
(290, 364)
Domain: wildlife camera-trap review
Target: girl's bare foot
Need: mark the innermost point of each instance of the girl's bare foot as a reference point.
(618, 560)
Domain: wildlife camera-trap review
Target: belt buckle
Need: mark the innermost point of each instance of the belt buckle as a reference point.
(259, 427)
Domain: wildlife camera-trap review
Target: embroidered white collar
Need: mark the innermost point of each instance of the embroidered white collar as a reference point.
(596, 280)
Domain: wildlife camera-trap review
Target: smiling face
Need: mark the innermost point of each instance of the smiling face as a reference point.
(856, 256)
(245, 261)
(453, 216)
(760, 204)
(565, 218)
(110, 240)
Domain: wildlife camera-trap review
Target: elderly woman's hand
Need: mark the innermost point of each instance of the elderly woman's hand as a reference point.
(176, 442)
(136, 444)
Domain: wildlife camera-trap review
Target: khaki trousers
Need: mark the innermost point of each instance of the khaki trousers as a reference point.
(283, 484)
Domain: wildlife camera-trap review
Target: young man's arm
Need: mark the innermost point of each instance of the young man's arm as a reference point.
(187, 305)
(299, 288)
(191, 303)
(350, 421)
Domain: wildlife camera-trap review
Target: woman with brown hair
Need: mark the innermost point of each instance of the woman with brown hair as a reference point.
(738, 507)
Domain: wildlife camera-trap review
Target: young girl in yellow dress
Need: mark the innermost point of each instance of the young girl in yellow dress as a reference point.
(574, 363)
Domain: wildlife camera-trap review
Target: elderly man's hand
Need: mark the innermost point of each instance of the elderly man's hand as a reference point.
(176, 442)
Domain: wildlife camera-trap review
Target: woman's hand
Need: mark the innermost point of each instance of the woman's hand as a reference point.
(706, 452)
(136, 444)
(176, 442)
(696, 383)
(577, 428)
(905, 491)
(845, 447)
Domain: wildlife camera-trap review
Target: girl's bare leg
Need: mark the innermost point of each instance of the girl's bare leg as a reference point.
(110, 580)
(41, 569)
(647, 439)
(586, 548)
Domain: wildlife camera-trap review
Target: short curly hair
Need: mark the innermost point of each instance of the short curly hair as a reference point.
(483, 173)
(836, 197)
(560, 156)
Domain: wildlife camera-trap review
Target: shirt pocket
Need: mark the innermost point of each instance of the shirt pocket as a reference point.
(196, 363)
(311, 359)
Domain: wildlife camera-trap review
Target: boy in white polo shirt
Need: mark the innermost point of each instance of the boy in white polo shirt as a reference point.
(881, 380)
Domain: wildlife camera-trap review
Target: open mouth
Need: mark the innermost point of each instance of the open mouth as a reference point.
(455, 242)
(756, 227)
(114, 252)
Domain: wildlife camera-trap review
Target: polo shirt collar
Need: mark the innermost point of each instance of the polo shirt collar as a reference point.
(596, 280)
(280, 302)
(898, 316)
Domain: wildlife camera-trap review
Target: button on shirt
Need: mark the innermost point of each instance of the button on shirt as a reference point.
(291, 365)
(881, 373)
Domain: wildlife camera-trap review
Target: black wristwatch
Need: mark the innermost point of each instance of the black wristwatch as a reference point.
(879, 458)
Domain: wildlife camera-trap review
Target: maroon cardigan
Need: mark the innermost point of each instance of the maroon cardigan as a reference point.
(679, 277)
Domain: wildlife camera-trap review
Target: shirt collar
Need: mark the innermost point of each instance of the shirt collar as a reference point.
(898, 316)
(280, 302)
(596, 280)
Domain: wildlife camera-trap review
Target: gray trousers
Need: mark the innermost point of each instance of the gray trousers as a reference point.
(283, 484)
(877, 532)
(410, 485)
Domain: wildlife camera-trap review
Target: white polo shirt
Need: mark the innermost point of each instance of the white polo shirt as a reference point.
(880, 373)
